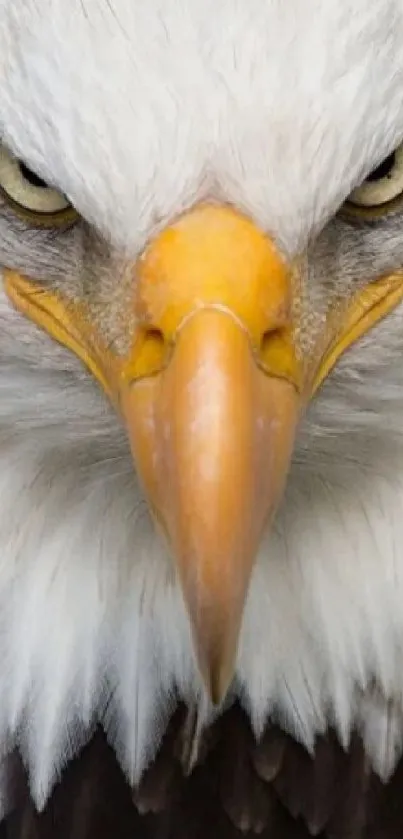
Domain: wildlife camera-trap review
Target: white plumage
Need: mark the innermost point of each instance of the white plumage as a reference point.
(137, 111)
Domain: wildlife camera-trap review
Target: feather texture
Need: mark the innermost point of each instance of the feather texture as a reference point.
(165, 137)
(93, 628)
(333, 794)
(281, 118)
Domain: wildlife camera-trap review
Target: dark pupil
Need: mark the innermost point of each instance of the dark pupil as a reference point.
(31, 177)
(384, 169)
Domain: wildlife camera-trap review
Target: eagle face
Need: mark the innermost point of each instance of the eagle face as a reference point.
(206, 223)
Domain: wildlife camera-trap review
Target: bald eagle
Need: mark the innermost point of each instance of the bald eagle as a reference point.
(201, 419)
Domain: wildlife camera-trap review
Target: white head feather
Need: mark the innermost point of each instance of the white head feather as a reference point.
(136, 110)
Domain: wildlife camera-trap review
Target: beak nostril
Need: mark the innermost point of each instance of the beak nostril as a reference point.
(155, 336)
(150, 351)
(276, 355)
(154, 341)
(271, 337)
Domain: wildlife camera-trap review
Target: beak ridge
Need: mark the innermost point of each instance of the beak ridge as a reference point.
(212, 436)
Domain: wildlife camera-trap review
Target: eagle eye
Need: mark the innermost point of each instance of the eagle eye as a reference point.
(382, 188)
(31, 177)
(30, 196)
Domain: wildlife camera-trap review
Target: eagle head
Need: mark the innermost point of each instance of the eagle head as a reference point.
(201, 382)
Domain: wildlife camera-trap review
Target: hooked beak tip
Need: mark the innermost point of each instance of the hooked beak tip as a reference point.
(214, 483)
(215, 622)
(217, 683)
(217, 674)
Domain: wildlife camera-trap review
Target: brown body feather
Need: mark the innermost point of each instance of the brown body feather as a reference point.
(238, 788)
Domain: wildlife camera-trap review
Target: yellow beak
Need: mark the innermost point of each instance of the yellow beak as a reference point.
(212, 436)
(211, 392)
(212, 424)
